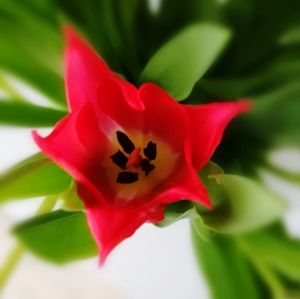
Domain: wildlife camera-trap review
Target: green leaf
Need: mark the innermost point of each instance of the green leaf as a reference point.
(292, 36)
(182, 61)
(246, 205)
(280, 251)
(33, 177)
(98, 21)
(70, 200)
(177, 211)
(226, 270)
(155, 27)
(254, 48)
(58, 236)
(211, 170)
(284, 101)
(23, 114)
(200, 229)
(185, 210)
(36, 60)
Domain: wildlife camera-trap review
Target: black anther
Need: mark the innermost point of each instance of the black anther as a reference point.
(125, 142)
(119, 159)
(150, 151)
(127, 177)
(146, 166)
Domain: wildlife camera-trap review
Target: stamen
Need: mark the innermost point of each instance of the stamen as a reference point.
(146, 166)
(119, 159)
(127, 177)
(150, 151)
(134, 159)
(125, 142)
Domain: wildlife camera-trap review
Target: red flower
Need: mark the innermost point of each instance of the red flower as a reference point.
(131, 151)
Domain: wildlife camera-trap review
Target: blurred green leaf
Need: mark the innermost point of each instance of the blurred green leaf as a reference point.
(126, 13)
(291, 36)
(200, 229)
(246, 205)
(215, 192)
(23, 114)
(33, 177)
(227, 272)
(31, 47)
(155, 24)
(284, 102)
(177, 211)
(253, 86)
(279, 250)
(70, 200)
(110, 28)
(181, 62)
(266, 273)
(98, 21)
(252, 48)
(58, 236)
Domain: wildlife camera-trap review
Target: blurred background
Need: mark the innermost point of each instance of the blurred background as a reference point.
(258, 57)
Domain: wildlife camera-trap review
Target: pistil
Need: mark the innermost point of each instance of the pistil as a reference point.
(134, 158)
(132, 161)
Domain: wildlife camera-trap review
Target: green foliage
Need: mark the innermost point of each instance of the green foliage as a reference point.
(182, 61)
(245, 205)
(227, 272)
(284, 102)
(279, 250)
(265, 258)
(177, 211)
(109, 25)
(31, 46)
(26, 115)
(33, 177)
(70, 200)
(58, 236)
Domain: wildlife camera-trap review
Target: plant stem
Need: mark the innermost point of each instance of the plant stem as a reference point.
(10, 264)
(47, 205)
(18, 250)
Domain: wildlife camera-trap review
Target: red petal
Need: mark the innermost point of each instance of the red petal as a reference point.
(207, 124)
(163, 116)
(77, 145)
(111, 225)
(85, 71)
(119, 107)
(149, 109)
(183, 185)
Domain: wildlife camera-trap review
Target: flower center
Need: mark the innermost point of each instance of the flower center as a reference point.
(131, 160)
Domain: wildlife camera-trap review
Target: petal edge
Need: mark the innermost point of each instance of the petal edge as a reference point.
(207, 125)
